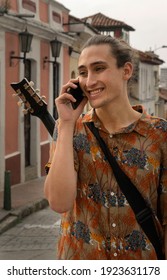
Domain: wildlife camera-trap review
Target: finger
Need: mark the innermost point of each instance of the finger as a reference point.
(76, 80)
(65, 98)
(71, 84)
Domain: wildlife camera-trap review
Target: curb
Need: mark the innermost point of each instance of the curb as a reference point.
(16, 215)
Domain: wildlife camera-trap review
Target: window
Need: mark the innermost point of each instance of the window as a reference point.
(56, 17)
(29, 5)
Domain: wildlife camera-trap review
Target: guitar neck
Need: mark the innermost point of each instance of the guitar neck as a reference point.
(35, 104)
(48, 121)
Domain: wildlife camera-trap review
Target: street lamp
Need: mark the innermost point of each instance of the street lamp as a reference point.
(162, 47)
(55, 49)
(25, 39)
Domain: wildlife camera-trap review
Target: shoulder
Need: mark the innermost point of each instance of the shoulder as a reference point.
(151, 121)
(151, 126)
(156, 123)
(159, 123)
(155, 127)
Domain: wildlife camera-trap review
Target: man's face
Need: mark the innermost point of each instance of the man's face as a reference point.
(100, 78)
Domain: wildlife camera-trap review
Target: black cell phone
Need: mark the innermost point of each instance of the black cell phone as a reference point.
(77, 93)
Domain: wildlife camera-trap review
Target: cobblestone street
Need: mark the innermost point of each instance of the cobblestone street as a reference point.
(34, 238)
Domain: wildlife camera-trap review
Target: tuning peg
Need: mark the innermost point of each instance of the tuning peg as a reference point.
(43, 97)
(37, 90)
(31, 83)
(25, 111)
(19, 103)
(14, 95)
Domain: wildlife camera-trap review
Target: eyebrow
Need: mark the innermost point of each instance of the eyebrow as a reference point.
(93, 64)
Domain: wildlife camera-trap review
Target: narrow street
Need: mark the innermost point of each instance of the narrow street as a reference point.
(34, 238)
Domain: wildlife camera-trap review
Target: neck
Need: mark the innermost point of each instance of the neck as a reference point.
(114, 117)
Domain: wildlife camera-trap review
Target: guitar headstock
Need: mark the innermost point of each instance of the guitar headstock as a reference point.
(33, 103)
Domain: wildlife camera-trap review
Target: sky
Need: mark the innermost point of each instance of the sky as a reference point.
(147, 17)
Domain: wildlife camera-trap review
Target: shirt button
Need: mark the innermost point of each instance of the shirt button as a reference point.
(115, 254)
(113, 225)
(111, 136)
(97, 124)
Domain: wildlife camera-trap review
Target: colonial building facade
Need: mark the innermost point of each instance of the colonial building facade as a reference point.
(24, 140)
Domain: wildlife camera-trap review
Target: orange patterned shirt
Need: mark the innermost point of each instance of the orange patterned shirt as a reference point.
(101, 224)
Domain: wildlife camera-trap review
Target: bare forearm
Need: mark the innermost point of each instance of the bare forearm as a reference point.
(60, 184)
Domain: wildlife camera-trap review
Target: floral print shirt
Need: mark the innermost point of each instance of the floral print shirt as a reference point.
(101, 224)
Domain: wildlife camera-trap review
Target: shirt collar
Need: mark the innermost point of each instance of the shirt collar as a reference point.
(141, 126)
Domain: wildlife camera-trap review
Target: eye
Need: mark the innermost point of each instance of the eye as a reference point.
(99, 68)
(82, 73)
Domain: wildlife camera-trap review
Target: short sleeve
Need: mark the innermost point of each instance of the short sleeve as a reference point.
(163, 183)
(76, 161)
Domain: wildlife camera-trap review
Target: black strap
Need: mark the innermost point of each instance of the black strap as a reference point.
(141, 209)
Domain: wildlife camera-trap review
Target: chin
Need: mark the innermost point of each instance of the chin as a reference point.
(94, 106)
(97, 105)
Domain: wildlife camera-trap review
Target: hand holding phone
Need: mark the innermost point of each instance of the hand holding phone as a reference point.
(77, 93)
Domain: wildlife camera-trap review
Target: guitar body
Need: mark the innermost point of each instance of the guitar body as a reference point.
(34, 103)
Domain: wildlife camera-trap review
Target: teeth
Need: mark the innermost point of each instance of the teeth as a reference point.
(95, 91)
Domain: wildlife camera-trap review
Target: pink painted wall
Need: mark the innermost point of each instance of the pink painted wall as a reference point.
(14, 5)
(43, 11)
(12, 75)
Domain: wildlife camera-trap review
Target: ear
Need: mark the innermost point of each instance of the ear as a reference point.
(127, 71)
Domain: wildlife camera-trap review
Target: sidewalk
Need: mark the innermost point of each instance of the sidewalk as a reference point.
(26, 198)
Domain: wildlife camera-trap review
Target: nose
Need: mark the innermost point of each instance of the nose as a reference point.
(90, 80)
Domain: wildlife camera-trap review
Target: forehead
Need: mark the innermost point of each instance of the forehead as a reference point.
(95, 53)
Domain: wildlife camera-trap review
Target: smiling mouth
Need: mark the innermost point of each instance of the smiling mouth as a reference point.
(95, 92)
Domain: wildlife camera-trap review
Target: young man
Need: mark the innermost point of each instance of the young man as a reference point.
(97, 221)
